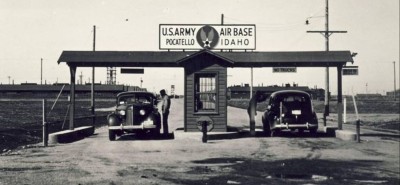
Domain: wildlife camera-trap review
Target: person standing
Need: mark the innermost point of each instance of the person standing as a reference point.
(252, 111)
(165, 105)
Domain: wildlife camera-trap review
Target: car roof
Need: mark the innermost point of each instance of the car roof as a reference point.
(291, 92)
(135, 92)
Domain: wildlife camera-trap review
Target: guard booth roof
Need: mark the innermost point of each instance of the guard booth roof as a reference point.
(176, 58)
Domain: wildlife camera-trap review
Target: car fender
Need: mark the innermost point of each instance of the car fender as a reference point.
(113, 120)
(157, 119)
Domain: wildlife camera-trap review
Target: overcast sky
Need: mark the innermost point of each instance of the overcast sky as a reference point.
(31, 30)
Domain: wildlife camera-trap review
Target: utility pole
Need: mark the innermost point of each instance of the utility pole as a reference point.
(222, 23)
(251, 83)
(9, 82)
(92, 103)
(41, 71)
(81, 78)
(394, 75)
(326, 34)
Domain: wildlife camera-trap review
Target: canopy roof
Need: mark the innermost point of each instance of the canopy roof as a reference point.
(176, 58)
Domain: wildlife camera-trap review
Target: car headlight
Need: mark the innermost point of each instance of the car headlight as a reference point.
(142, 112)
(122, 112)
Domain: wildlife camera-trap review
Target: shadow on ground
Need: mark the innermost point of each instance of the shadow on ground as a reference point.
(239, 132)
(293, 171)
(131, 137)
(381, 135)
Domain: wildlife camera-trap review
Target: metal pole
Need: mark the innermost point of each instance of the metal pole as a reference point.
(58, 96)
(358, 130)
(204, 130)
(251, 84)
(222, 23)
(72, 70)
(340, 97)
(45, 127)
(394, 76)
(326, 103)
(358, 121)
(92, 102)
(41, 71)
(344, 110)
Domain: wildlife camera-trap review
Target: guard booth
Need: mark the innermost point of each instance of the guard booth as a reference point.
(205, 91)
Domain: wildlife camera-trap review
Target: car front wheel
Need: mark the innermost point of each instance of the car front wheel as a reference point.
(266, 129)
(112, 135)
(275, 133)
(155, 132)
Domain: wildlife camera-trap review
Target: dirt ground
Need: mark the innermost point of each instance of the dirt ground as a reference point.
(21, 125)
(21, 119)
(182, 158)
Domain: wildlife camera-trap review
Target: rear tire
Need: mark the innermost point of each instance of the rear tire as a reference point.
(275, 133)
(266, 128)
(112, 135)
(155, 133)
(313, 132)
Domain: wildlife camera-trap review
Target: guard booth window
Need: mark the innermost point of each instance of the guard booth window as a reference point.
(205, 92)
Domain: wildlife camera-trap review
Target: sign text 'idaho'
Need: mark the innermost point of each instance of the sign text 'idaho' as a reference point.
(207, 36)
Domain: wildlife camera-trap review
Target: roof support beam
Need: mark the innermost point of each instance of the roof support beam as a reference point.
(72, 70)
(340, 97)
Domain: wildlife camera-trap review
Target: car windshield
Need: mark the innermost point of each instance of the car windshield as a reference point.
(134, 99)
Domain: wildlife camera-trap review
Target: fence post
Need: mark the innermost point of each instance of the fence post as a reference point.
(345, 110)
(204, 130)
(358, 120)
(45, 126)
(358, 130)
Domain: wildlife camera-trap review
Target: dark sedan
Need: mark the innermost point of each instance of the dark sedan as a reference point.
(289, 110)
(136, 112)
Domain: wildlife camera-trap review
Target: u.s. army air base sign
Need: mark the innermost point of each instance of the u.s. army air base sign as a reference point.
(199, 36)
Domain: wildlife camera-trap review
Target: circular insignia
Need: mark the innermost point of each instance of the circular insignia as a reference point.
(207, 120)
(207, 37)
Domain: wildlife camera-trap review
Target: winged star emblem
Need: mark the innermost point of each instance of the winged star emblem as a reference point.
(207, 37)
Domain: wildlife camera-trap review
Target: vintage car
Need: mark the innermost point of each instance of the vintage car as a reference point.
(136, 112)
(289, 110)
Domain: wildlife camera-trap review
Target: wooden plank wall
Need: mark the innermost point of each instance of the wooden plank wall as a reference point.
(219, 118)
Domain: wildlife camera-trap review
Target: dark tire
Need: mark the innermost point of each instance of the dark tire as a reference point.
(112, 135)
(266, 129)
(275, 133)
(155, 133)
(313, 132)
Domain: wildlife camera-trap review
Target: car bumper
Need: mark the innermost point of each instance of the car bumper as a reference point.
(294, 126)
(143, 126)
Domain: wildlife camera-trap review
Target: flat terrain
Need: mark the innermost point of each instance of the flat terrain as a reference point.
(289, 159)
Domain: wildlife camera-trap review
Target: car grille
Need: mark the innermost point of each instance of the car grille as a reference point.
(133, 116)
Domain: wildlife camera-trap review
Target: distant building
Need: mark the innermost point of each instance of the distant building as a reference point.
(243, 92)
(33, 90)
(369, 96)
(393, 93)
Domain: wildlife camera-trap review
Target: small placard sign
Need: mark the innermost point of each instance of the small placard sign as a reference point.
(350, 70)
(284, 69)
